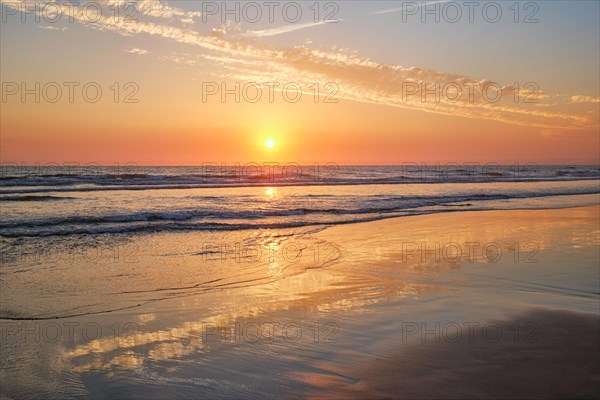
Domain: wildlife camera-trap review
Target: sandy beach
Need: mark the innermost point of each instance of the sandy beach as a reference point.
(486, 304)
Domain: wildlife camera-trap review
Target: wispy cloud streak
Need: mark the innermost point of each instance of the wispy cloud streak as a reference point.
(284, 29)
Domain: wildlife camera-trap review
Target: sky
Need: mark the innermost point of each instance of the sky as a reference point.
(349, 82)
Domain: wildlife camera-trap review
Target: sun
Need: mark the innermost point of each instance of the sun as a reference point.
(270, 143)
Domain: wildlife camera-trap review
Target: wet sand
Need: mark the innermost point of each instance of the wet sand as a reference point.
(369, 310)
(538, 354)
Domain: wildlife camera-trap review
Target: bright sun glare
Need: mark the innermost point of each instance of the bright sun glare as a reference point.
(270, 143)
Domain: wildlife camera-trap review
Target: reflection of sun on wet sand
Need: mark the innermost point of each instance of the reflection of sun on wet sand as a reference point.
(508, 268)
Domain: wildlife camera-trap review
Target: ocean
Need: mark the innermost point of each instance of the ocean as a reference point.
(47, 201)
